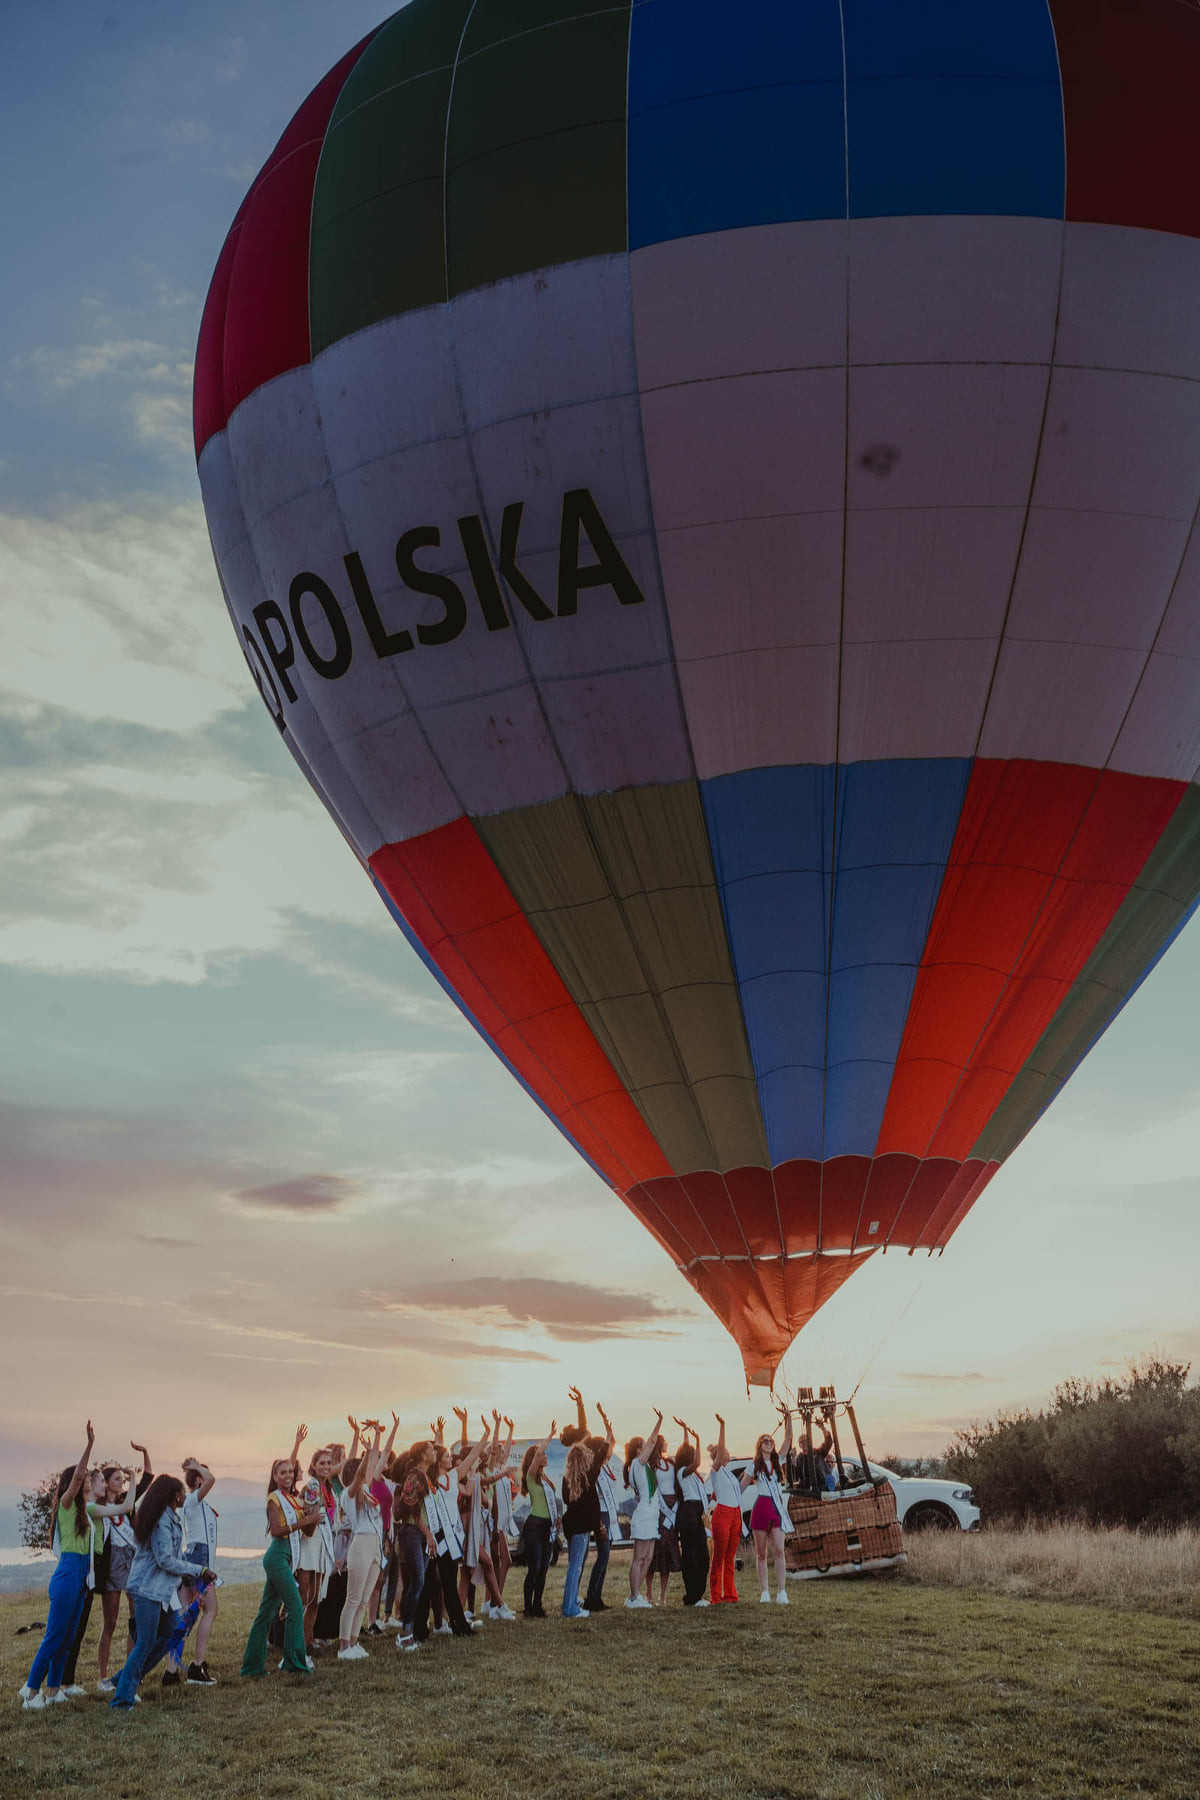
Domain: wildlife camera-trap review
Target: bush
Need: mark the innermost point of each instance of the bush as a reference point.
(35, 1512)
(1124, 1452)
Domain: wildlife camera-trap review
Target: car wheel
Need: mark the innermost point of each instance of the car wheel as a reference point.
(929, 1516)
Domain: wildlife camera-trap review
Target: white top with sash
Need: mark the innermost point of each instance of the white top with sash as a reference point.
(606, 1488)
(504, 1504)
(725, 1487)
(200, 1527)
(691, 1487)
(441, 1515)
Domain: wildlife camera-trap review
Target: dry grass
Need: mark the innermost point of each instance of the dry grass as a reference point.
(1148, 1571)
(867, 1690)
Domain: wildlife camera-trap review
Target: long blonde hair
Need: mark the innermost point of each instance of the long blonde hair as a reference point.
(579, 1466)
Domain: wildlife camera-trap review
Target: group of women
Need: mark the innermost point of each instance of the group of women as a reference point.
(419, 1540)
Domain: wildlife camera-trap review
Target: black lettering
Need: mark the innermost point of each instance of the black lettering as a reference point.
(487, 588)
(428, 581)
(343, 645)
(580, 512)
(520, 586)
(383, 642)
(256, 663)
(283, 654)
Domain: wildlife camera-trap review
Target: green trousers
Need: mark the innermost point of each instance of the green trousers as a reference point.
(279, 1589)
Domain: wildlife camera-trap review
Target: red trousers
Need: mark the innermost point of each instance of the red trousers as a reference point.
(726, 1536)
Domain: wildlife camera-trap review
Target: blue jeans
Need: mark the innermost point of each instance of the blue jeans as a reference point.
(68, 1595)
(155, 1623)
(595, 1590)
(412, 1559)
(577, 1549)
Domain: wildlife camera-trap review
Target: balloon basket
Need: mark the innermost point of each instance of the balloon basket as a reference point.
(852, 1530)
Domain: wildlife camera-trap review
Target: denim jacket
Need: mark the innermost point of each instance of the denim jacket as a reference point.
(159, 1567)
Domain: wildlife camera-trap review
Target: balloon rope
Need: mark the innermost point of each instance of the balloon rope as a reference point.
(883, 1340)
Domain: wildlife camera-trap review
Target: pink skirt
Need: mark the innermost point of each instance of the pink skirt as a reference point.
(765, 1516)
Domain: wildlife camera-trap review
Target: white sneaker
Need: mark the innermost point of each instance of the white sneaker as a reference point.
(475, 1624)
(764, 1599)
(407, 1644)
(781, 1598)
(392, 1625)
(581, 1614)
(106, 1686)
(74, 1692)
(444, 1629)
(33, 1702)
(637, 1604)
(704, 1603)
(355, 1653)
(502, 1612)
(59, 1699)
(24, 1692)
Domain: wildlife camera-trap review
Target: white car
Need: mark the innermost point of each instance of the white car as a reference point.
(921, 1504)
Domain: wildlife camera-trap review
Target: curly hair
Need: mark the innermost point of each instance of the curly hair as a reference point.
(580, 1463)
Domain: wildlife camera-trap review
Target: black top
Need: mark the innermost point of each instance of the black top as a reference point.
(584, 1514)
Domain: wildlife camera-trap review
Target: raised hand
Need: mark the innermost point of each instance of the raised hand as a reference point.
(719, 1419)
(353, 1423)
(509, 1423)
(301, 1433)
(460, 1413)
(91, 1435)
(574, 1395)
(396, 1420)
(496, 1419)
(680, 1423)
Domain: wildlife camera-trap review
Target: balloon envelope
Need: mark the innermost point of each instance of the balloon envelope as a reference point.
(707, 494)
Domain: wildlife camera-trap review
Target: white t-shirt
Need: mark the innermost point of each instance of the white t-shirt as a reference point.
(725, 1487)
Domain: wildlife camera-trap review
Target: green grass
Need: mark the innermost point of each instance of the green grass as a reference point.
(869, 1690)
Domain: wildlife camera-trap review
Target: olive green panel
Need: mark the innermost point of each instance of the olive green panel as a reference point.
(1150, 914)
(377, 236)
(535, 152)
(621, 892)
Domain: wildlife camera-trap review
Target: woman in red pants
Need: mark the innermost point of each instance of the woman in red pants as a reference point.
(726, 1491)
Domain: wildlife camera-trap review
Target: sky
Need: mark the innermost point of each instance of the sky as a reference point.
(254, 1167)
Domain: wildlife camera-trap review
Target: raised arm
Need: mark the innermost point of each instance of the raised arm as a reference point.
(206, 1477)
(301, 1434)
(786, 1415)
(81, 1468)
(365, 1471)
(474, 1456)
(147, 1474)
(650, 1446)
(391, 1443)
(460, 1413)
(574, 1394)
(612, 1436)
(355, 1440)
(721, 1444)
(439, 1431)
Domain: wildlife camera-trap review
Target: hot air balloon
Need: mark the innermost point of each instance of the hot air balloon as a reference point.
(707, 492)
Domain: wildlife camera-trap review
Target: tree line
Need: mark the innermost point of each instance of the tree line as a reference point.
(1124, 1451)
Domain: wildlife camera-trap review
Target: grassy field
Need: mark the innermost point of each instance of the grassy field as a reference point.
(869, 1690)
(1144, 1571)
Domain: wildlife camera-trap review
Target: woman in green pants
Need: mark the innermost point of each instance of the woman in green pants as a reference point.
(284, 1520)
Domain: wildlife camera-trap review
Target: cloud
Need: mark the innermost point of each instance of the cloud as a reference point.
(167, 1243)
(150, 820)
(303, 1194)
(147, 381)
(573, 1311)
